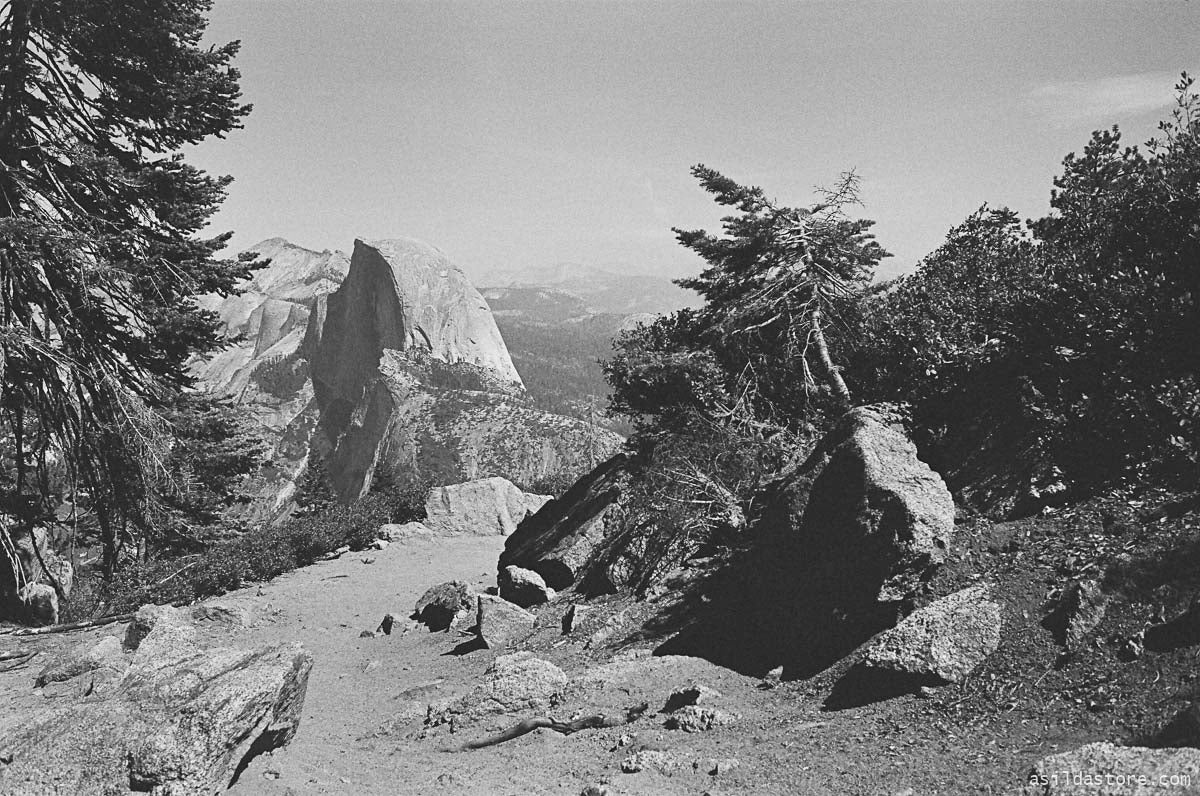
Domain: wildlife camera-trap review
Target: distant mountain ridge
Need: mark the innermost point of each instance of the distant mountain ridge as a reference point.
(600, 290)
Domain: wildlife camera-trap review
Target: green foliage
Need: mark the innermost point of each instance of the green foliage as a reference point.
(283, 376)
(1077, 338)
(99, 238)
(258, 555)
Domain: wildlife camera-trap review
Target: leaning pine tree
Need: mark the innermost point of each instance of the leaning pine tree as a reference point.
(776, 284)
(100, 252)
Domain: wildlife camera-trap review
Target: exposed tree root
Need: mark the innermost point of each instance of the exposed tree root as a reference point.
(565, 727)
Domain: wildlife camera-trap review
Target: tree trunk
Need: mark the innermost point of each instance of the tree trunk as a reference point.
(832, 372)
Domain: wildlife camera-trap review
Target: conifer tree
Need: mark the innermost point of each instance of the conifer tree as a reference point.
(100, 244)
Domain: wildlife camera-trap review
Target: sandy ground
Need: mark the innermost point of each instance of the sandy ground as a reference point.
(361, 730)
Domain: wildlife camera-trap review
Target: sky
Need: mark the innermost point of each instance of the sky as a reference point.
(519, 135)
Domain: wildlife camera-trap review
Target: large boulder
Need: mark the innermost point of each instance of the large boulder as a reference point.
(485, 507)
(874, 503)
(1104, 768)
(516, 682)
(181, 719)
(523, 587)
(561, 541)
(501, 623)
(81, 659)
(944, 641)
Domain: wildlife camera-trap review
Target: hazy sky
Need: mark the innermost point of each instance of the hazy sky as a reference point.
(525, 134)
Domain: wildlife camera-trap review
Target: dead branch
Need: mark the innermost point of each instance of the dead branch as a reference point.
(527, 726)
(70, 626)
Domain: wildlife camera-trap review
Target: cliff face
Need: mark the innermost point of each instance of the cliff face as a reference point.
(412, 377)
(387, 364)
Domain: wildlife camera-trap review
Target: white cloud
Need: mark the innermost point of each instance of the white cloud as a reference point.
(1107, 99)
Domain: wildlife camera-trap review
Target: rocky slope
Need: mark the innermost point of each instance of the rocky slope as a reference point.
(388, 365)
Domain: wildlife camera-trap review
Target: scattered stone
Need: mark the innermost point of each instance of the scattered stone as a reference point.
(626, 740)
(523, 587)
(716, 766)
(398, 533)
(502, 624)
(484, 507)
(596, 790)
(574, 617)
(442, 605)
(1077, 612)
(1132, 649)
(693, 694)
(368, 560)
(386, 625)
(180, 719)
(693, 718)
(946, 639)
(1114, 771)
(662, 762)
(367, 634)
(380, 544)
(81, 659)
(926, 692)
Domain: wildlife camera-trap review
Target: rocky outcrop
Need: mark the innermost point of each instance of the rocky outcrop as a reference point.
(413, 379)
(179, 719)
(485, 507)
(944, 641)
(867, 498)
(265, 367)
(388, 367)
(561, 541)
(1114, 771)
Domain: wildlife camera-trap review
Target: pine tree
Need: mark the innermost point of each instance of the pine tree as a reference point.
(100, 250)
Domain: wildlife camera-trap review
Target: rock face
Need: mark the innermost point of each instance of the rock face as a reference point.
(874, 502)
(1115, 771)
(387, 366)
(179, 719)
(560, 542)
(485, 507)
(946, 640)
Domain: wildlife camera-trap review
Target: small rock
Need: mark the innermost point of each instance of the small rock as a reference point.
(927, 692)
(367, 634)
(524, 587)
(716, 766)
(397, 533)
(1132, 649)
(380, 544)
(1077, 613)
(156, 617)
(368, 560)
(946, 639)
(595, 790)
(693, 694)
(693, 718)
(440, 606)
(650, 758)
(626, 740)
(40, 604)
(501, 623)
(386, 625)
